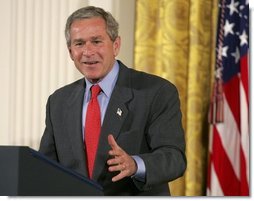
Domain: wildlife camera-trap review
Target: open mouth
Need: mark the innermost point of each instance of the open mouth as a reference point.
(90, 62)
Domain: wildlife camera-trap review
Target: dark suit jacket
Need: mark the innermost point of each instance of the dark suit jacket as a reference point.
(150, 126)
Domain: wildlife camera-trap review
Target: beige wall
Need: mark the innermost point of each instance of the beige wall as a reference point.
(35, 61)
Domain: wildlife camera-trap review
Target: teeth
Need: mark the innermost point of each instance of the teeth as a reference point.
(92, 62)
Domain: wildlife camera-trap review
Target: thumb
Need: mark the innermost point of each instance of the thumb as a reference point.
(112, 142)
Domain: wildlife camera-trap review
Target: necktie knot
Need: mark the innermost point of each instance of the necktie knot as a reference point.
(95, 90)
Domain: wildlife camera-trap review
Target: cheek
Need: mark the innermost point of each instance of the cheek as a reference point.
(76, 56)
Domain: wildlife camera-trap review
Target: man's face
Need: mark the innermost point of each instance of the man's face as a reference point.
(91, 49)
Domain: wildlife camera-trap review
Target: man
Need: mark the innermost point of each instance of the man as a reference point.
(141, 143)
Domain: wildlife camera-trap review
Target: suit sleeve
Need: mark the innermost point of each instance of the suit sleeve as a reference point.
(47, 144)
(165, 137)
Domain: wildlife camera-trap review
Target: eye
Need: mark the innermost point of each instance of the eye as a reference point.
(96, 42)
(78, 44)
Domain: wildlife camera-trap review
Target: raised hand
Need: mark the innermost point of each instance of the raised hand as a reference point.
(120, 161)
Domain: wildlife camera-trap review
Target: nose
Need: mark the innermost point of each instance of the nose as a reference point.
(88, 49)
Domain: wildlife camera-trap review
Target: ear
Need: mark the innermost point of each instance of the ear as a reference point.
(70, 53)
(116, 46)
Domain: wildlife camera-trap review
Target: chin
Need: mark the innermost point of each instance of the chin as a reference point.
(92, 79)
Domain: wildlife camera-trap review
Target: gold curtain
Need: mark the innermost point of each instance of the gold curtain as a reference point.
(175, 39)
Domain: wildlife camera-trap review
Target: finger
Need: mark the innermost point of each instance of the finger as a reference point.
(112, 142)
(115, 148)
(119, 167)
(115, 161)
(120, 176)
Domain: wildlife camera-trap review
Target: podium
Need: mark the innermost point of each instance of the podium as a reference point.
(26, 172)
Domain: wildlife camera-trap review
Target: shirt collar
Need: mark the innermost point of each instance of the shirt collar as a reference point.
(107, 83)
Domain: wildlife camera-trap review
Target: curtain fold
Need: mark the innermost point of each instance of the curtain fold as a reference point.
(175, 40)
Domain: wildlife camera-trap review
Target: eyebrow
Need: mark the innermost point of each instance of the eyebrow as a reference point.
(78, 40)
(92, 38)
(97, 37)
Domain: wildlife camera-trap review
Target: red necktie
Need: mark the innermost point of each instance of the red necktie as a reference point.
(92, 128)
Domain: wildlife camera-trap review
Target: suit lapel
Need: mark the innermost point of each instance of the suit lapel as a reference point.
(114, 119)
(74, 128)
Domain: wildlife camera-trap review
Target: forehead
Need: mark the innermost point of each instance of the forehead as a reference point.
(90, 25)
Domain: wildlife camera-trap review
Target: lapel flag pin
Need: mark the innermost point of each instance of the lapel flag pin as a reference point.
(119, 112)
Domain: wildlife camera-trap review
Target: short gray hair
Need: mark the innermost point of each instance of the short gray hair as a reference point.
(91, 12)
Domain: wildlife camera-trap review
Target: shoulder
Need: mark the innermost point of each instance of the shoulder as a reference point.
(142, 80)
(69, 89)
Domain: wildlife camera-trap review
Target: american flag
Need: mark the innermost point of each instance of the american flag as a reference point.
(228, 172)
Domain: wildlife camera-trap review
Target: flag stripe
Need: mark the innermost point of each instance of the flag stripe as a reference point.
(244, 124)
(230, 138)
(244, 76)
(223, 167)
(232, 94)
(244, 182)
(215, 184)
(244, 131)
